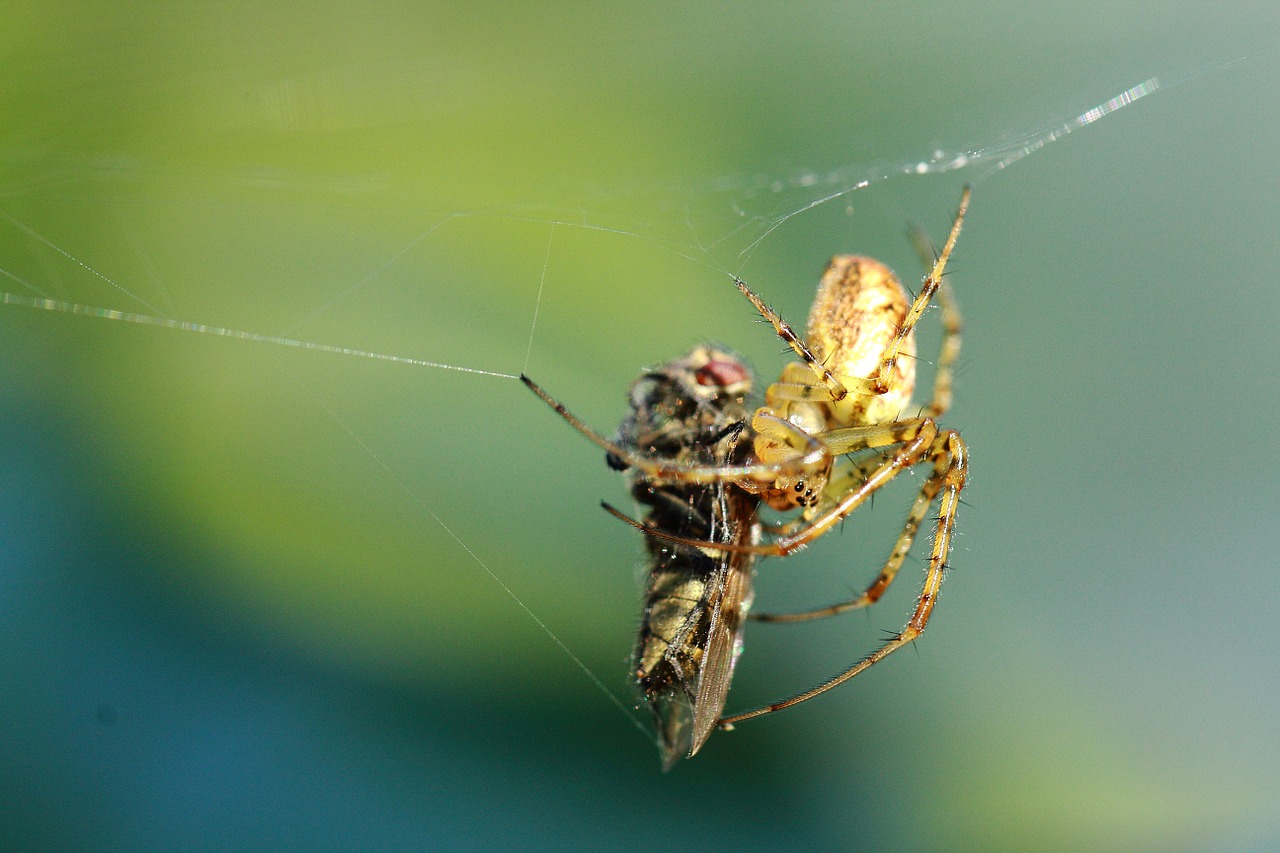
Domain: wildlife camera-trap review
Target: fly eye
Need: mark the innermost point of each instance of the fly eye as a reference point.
(722, 373)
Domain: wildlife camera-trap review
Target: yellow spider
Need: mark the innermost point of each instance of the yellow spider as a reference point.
(855, 377)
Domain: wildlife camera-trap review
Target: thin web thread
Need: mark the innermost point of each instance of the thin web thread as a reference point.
(537, 303)
(591, 676)
(383, 267)
(165, 323)
(1002, 156)
(32, 233)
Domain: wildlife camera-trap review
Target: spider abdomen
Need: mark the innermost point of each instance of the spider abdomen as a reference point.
(856, 314)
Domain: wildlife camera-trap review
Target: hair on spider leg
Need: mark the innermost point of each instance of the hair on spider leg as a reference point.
(890, 633)
(912, 557)
(909, 289)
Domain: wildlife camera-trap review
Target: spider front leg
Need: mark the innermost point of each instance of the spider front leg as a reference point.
(842, 480)
(930, 286)
(952, 329)
(948, 450)
(813, 454)
(906, 538)
(915, 436)
(833, 388)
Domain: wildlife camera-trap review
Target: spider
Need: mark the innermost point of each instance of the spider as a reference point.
(845, 395)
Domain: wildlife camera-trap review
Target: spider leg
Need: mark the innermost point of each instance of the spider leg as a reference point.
(835, 387)
(849, 439)
(768, 549)
(949, 450)
(932, 282)
(661, 470)
(924, 499)
(842, 479)
(952, 326)
(804, 392)
(679, 505)
(917, 438)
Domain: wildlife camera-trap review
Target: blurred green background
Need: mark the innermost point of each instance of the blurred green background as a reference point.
(253, 597)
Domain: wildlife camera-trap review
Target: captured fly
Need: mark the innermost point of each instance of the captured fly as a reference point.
(687, 415)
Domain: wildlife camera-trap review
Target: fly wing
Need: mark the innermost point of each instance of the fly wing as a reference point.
(721, 655)
(728, 600)
(691, 411)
